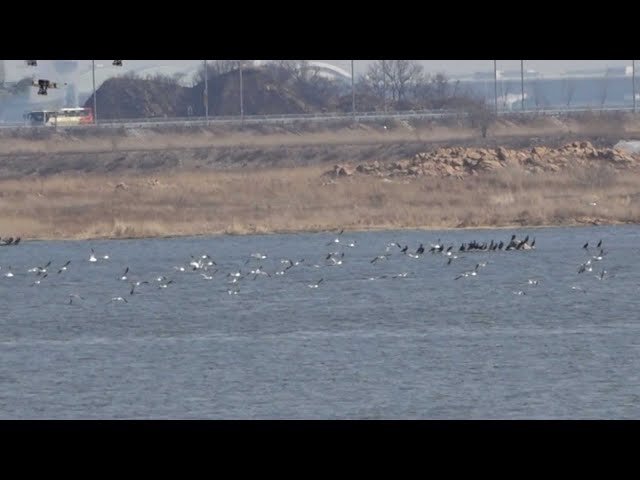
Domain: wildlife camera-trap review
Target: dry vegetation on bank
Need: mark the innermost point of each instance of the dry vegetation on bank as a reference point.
(303, 199)
(260, 180)
(581, 126)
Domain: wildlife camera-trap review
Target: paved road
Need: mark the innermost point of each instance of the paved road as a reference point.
(332, 117)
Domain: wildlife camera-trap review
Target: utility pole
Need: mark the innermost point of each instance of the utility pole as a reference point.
(633, 76)
(206, 92)
(384, 88)
(522, 81)
(95, 103)
(241, 97)
(495, 84)
(353, 93)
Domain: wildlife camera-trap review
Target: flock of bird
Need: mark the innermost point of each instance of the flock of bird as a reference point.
(251, 267)
(9, 241)
(587, 265)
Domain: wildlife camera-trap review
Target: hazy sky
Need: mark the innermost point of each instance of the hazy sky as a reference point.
(16, 69)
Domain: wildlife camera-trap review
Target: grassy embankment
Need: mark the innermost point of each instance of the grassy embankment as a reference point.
(187, 200)
(302, 199)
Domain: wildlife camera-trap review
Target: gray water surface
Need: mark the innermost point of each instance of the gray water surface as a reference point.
(364, 344)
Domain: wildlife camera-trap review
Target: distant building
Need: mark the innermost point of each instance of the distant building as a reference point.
(612, 87)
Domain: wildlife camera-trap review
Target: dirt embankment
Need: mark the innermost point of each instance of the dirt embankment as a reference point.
(261, 180)
(105, 151)
(461, 162)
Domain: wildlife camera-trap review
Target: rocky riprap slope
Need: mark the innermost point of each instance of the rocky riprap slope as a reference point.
(461, 162)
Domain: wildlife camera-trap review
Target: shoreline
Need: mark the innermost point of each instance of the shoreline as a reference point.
(519, 227)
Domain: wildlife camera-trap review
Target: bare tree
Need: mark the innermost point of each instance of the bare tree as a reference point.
(298, 70)
(481, 116)
(375, 81)
(402, 72)
(424, 94)
(215, 68)
(396, 74)
(220, 67)
(304, 79)
(433, 91)
(281, 71)
(294, 73)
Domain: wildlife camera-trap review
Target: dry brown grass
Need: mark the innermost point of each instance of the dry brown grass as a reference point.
(301, 199)
(154, 141)
(31, 141)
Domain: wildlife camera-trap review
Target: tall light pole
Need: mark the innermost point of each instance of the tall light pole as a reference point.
(353, 93)
(95, 103)
(384, 85)
(522, 81)
(495, 84)
(633, 76)
(206, 92)
(241, 95)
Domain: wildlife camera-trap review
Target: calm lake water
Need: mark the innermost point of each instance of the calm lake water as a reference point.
(369, 343)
